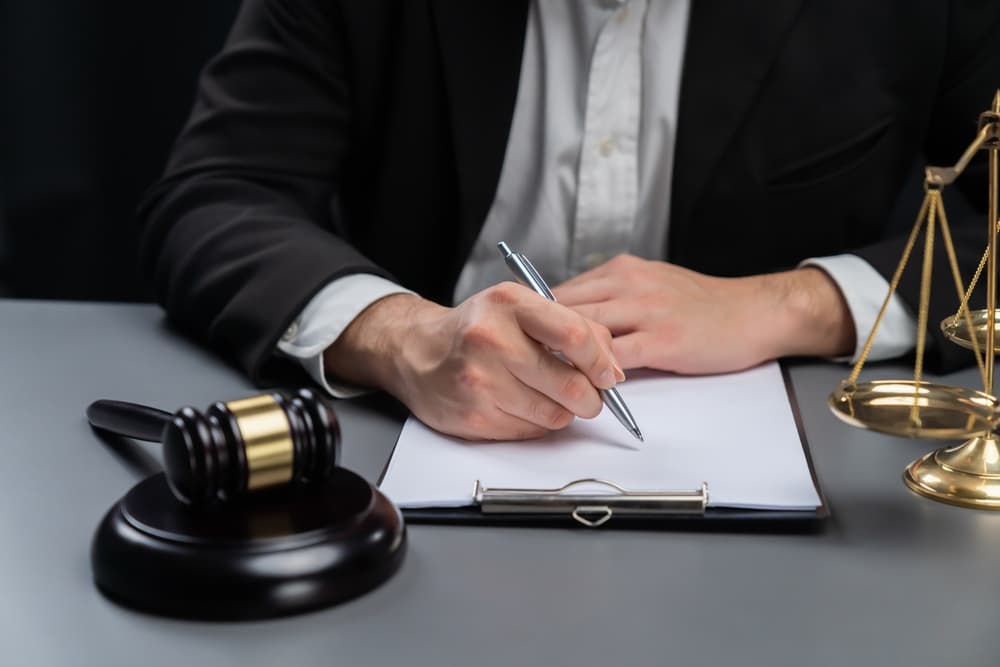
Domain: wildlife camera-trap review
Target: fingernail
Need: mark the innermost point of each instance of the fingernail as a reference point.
(607, 380)
(619, 374)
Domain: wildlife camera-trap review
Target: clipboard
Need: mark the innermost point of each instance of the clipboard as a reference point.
(596, 503)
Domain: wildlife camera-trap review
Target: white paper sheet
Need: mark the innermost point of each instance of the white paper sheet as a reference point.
(736, 432)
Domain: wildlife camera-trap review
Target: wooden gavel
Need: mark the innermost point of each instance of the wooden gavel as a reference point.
(236, 447)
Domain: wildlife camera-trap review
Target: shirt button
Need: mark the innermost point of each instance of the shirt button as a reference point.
(291, 332)
(607, 146)
(594, 260)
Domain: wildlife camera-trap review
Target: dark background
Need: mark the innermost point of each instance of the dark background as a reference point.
(92, 93)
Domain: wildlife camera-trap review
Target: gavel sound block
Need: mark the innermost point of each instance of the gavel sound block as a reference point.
(208, 539)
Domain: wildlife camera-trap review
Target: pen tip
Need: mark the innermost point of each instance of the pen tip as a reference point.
(638, 434)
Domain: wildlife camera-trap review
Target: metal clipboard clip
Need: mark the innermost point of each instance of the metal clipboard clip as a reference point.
(589, 508)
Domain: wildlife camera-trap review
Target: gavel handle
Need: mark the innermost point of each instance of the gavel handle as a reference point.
(129, 419)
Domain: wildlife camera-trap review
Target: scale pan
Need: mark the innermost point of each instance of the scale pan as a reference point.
(957, 329)
(915, 409)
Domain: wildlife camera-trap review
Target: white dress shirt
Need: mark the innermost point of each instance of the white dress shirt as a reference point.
(587, 171)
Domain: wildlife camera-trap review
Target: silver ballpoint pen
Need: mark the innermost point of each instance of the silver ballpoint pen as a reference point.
(521, 267)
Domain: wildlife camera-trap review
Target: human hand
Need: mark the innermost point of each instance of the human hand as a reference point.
(484, 369)
(670, 318)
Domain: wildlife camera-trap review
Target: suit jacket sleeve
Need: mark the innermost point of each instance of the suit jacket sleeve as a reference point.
(241, 232)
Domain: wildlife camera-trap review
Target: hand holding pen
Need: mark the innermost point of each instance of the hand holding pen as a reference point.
(523, 269)
(483, 369)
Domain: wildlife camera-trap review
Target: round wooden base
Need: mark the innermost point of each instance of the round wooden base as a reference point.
(281, 552)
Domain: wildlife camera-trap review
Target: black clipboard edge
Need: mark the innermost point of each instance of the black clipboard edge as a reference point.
(714, 520)
(823, 511)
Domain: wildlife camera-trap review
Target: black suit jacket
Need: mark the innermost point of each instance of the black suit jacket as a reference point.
(333, 137)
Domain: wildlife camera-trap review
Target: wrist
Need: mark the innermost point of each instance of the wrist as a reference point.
(365, 352)
(811, 316)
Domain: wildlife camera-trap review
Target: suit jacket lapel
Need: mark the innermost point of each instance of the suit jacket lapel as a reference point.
(481, 47)
(730, 49)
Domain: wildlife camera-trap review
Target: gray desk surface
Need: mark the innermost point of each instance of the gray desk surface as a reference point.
(893, 580)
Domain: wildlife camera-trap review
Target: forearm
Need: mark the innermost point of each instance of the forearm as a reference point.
(324, 320)
(801, 313)
(363, 353)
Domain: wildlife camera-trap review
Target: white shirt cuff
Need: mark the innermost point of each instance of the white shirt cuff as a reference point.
(864, 289)
(323, 320)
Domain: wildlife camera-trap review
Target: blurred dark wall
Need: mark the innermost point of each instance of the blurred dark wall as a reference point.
(92, 93)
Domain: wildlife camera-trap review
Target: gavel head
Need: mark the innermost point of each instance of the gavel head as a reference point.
(248, 444)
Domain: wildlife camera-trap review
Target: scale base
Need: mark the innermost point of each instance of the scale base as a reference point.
(967, 475)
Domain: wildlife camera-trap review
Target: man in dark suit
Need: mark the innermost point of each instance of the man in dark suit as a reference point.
(349, 165)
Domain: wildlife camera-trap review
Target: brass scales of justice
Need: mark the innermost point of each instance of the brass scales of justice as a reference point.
(967, 474)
